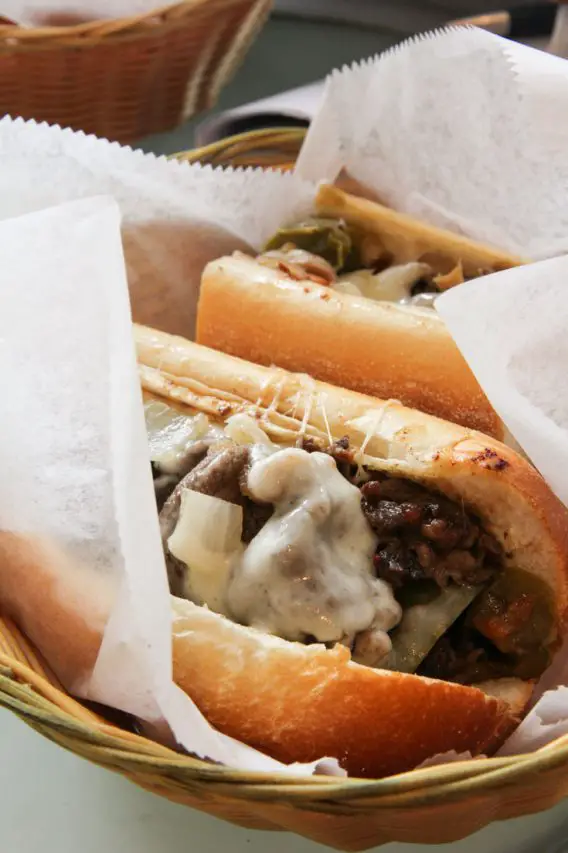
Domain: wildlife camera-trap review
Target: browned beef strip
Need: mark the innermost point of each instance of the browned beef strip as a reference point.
(255, 517)
(397, 564)
(339, 450)
(222, 474)
(312, 445)
(464, 656)
(441, 662)
(219, 473)
(216, 475)
(165, 483)
(423, 535)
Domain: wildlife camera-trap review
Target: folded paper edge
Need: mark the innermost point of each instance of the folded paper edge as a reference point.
(310, 165)
(153, 162)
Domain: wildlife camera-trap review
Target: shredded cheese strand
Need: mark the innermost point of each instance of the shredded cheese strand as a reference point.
(376, 420)
(321, 398)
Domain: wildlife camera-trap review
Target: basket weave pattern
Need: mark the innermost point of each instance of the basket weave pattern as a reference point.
(433, 805)
(128, 78)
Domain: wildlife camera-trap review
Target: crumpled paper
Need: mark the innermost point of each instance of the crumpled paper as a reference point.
(461, 128)
(66, 338)
(74, 455)
(175, 218)
(512, 329)
(61, 13)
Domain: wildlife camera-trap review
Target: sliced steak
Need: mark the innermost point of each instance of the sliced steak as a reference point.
(423, 535)
(255, 517)
(166, 481)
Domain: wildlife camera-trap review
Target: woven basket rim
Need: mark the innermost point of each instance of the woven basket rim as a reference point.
(274, 134)
(414, 788)
(105, 27)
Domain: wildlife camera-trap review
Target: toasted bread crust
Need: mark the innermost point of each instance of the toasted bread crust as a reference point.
(409, 239)
(61, 607)
(294, 702)
(299, 703)
(377, 348)
(286, 698)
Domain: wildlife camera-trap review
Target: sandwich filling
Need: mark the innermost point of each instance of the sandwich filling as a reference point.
(338, 256)
(309, 543)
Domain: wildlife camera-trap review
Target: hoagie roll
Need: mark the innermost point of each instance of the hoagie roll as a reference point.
(349, 297)
(349, 577)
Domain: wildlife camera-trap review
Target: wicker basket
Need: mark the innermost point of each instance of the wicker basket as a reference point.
(128, 78)
(434, 805)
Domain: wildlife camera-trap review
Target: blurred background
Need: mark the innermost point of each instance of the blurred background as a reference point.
(305, 39)
(159, 77)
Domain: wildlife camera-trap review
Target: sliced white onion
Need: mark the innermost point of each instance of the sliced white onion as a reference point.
(207, 538)
(423, 624)
(356, 282)
(170, 433)
(394, 284)
(311, 263)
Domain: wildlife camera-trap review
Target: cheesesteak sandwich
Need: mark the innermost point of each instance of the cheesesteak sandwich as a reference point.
(349, 578)
(349, 296)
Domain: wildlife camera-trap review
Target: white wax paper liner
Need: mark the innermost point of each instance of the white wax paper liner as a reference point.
(458, 127)
(512, 329)
(175, 217)
(74, 454)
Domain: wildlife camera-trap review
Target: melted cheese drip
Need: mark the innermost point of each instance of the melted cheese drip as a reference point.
(308, 572)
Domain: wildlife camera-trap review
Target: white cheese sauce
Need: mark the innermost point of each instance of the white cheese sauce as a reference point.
(308, 572)
(392, 285)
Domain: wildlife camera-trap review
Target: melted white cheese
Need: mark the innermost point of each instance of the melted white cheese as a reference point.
(308, 572)
(392, 285)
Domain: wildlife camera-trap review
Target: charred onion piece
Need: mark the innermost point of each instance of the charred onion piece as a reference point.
(299, 264)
